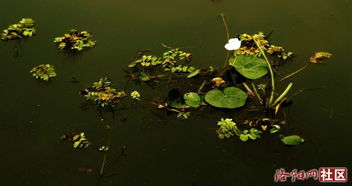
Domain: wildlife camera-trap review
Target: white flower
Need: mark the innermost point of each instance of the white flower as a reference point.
(135, 95)
(233, 44)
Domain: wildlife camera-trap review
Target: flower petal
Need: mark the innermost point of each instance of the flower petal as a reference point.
(234, 40)
(235, 43)
(228, 46)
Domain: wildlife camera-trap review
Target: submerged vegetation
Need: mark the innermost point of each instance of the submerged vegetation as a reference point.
(25, 28)
(75, 40)
(44, 72)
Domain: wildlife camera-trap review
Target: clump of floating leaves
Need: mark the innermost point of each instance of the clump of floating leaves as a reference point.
(228, 129)
(319, 57)
(75, 40)
(247, 80)
(102, 94)
(25, 28)
(151, 68)
(135, 95)
(249, 47)
(78, 140)
(44, 72)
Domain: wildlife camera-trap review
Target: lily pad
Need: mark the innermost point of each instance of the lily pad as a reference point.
(292, 140)
(231, 97)
(249, 66)
(192, 99)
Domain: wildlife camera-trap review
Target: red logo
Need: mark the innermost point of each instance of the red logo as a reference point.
(333, 174)
(282, 176)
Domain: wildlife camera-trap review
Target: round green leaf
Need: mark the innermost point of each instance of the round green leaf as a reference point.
(231, 97)
(192, 99)
(249, 66)
(292, 140)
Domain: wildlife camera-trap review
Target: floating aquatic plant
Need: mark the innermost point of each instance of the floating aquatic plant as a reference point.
(180, 104)
(230, 97)
(102, 94)
(276, 128)
(228, 129)
(183, 115)
(151, 68)
(146, 61)
(249, 62)
(252, 134)
(75, 40)
(292, 140)
(44, 72)
(25, 28)
(316, 58)
(249, 46)
(78, 140)
(103, 148)
(173, 56)
(135, 95)
(181, 68)
(249, 66)
(319, 57)
(175, 99)
(192, 99)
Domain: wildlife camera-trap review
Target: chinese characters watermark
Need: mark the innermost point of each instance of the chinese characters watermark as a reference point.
(323, 174)
(333, 174)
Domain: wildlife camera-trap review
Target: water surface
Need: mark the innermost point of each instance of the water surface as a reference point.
(164, 150)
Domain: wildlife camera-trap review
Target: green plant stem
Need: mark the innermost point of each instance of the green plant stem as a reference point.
(247, 87)
(201, 86)
(108, 142)
(295, 72)
(271, 72)
(227, 37)
(282, 95)
(256, 93)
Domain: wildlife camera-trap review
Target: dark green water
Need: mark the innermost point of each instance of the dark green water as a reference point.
(164, 150)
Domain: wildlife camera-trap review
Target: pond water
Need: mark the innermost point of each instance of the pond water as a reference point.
(160, 149)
